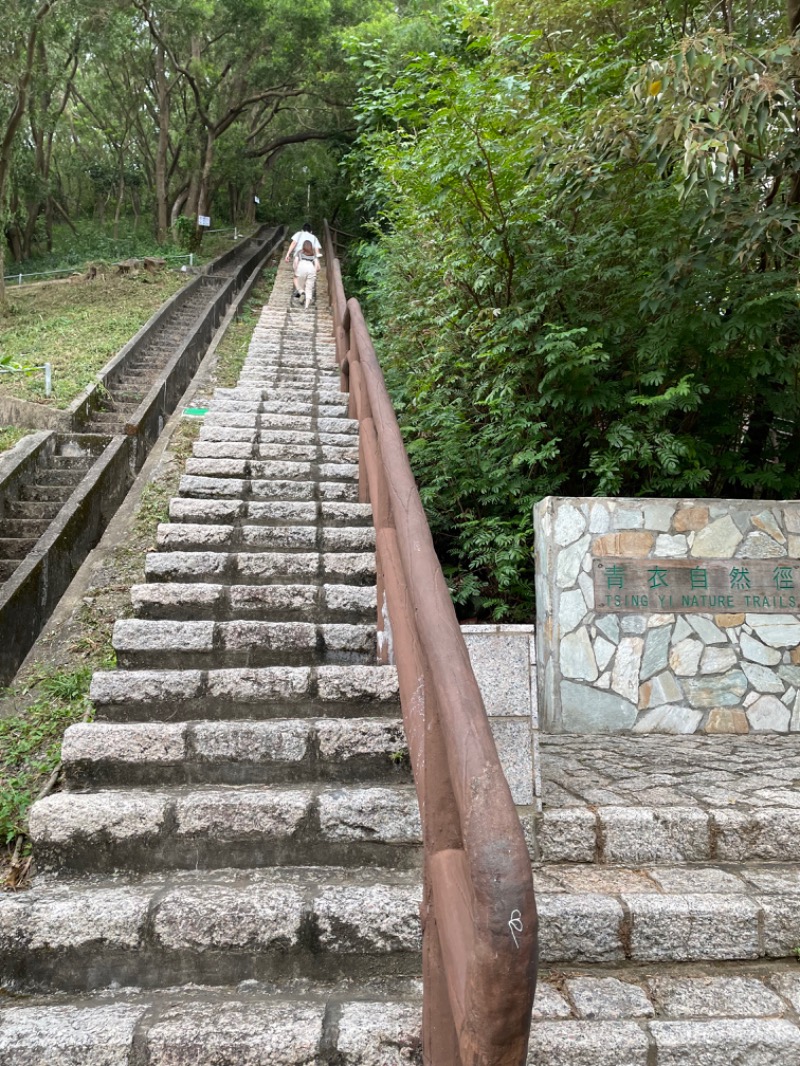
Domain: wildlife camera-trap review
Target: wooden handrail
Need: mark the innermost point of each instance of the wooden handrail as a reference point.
(478, 912)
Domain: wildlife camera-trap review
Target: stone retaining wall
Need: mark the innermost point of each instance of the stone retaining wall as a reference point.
(678, 672)
(503, 658)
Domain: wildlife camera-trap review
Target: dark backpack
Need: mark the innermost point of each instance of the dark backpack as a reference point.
(307, 251)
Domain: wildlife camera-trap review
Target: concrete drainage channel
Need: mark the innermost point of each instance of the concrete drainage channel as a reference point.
(60, 487)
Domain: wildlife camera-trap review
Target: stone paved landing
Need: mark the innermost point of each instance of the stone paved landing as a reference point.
(747, 773)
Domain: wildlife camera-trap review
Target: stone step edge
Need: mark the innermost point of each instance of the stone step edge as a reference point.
(351, 1031)
(234, 752)
(145, 830)
(650, 835)
(239, 692)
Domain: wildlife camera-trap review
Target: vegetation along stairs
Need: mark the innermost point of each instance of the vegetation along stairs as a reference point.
(232, 874)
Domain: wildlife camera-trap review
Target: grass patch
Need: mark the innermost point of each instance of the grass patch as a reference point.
(30, 743)
(10, 435)
(77, 328)
(232, 350)
(96, 243)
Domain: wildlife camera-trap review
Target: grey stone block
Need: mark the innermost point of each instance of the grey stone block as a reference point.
(115, 687)
(284, 741)
(572, 1043)
(239, 814)
(186, 566)
(714, 997)
(280, 538)
(729, 1042)
(282, 490)
(235, 1034)
(343, 539)
(263, 600)
(581, 928)
(357, 684)
(162, 600)
(692, 927)
(639, 836)
(371, 918)
(346, 567)
(607, 998)
(216, 512)
(134, 636)
(278, 512)
(513, 741)
(269, 566)
(567, 835)
(187, 536)
(57, 918)
(123, 817)
(341, 740)
(100, 1035)
(389, 815)
(771, 834)
(204, 488)
(154, 743)
(380, 1034)
(220, 918)
(277, 684)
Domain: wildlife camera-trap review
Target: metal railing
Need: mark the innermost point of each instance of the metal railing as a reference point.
(478, 912)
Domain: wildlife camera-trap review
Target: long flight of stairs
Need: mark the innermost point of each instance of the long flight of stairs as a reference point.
(231, 876)
(57, 473)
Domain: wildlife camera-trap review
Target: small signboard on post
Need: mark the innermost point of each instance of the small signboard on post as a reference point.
(203, 220)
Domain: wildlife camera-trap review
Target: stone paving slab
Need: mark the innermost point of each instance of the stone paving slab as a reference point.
(747, 773)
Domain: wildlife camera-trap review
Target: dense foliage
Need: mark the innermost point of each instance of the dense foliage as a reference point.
(584, 274)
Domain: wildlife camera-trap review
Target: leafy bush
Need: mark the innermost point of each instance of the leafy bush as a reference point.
(566, 299)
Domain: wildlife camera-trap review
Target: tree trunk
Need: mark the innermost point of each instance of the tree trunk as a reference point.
(162, 91)
(794, 16)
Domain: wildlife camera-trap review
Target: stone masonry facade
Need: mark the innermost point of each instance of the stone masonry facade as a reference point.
(650, 672)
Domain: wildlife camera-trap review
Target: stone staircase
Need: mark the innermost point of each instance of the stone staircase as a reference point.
(57, 473)
(232, 873)
(667, 887)
(132, 382)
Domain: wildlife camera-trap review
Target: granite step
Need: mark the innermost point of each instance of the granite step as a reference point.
(201, 487)
(310, 452)
(374, 1023)
(273, 512)
(272, 925)
(31, 509)
(667, 1015)
(271, 692)
(179, 645)
(646, 835)
(251, 393)
(16, 547)
(272, 470)
(49, 476)
(241, 752)
(281, 421)
(262, 568)
(304, 408)
(189, 536)
(268, 603)
(239, 435)
(607, 915)
(212, 827)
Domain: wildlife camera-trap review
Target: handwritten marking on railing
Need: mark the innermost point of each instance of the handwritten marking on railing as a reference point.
(515, 925)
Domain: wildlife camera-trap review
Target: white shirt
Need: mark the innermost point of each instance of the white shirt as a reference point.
(304, 235)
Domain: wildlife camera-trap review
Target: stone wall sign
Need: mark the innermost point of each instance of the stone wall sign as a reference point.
(658, 585)
(668, 615)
